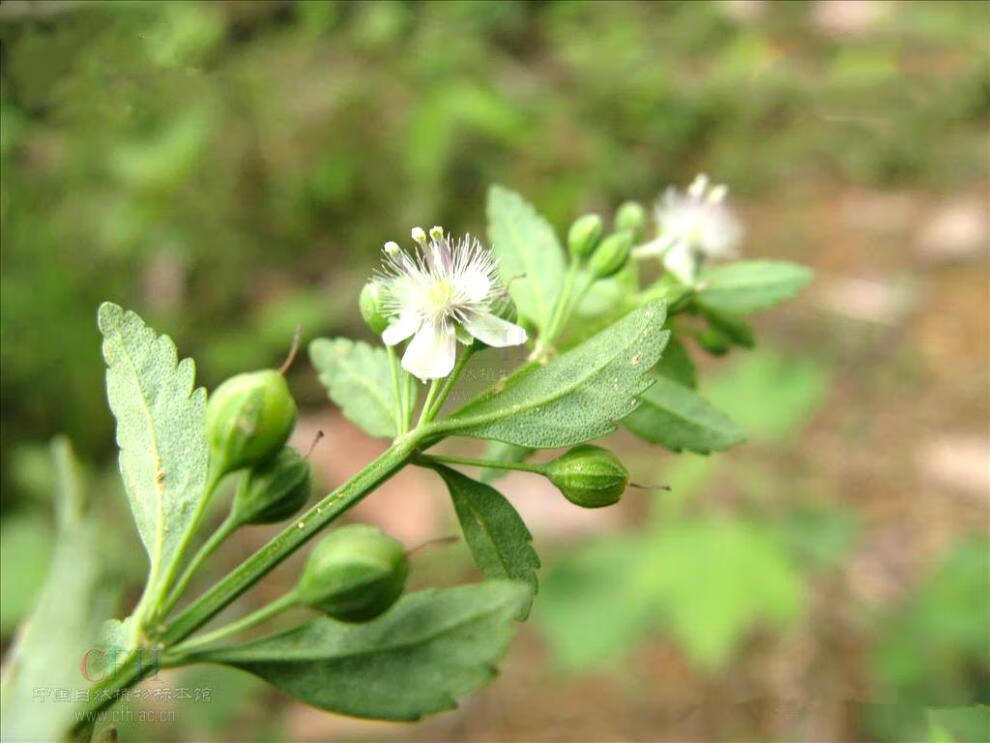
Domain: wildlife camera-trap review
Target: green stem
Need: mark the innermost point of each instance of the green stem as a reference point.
(228, 527)
(133, 669)
(151, 601)
(448, 383)
(204, 608)
(428, 403)
(402, 417)
(467, 461)
(550, 333)
(255, 617)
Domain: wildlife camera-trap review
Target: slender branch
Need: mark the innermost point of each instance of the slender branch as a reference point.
(448, 383)
(552, 329)
(293, 537)
(402, 416)
(428, 403)
(467, 461)
(245, 622)
(228, 527)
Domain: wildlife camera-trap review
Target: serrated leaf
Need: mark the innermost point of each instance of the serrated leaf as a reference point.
(749, 286)
(359, 380)
(431, 648)
(64, 624)
(163, 450)
(531, 260)
(676, 364)
(499, 451)
(499, 540)
(576, 397)
(675, 417)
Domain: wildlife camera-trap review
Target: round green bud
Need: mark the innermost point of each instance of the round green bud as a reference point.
(714, 341)
(584, 235)
(631, 216)
(273, 491)
(354, 574)
(372, 306)
(248, 419)
(611, 255)
(589, 476)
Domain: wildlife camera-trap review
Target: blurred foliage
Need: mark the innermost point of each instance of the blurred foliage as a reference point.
(248, 159)
(933, 652)
(230, 170)
(707, 580)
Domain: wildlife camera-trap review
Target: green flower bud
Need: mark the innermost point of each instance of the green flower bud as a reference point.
(584, 235)
(714, 341)
(611, 255)
(631, 216)
(248, 419)
(372, 305)
(354, 574)
(589, 476)
(273, 491)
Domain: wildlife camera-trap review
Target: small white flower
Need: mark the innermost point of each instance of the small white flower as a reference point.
(442, 294)
(692, 227)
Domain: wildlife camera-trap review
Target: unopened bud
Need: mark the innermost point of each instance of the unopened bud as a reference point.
(584, 235)
(354, 574)
(273, 491)
(631, 216)
(372, 306)
(248, 420)
(589, 476)
(609, 258)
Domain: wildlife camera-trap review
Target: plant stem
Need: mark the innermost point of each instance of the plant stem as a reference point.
(255, 617)
(446, 459)
(402, 417)
(558, 317)
(204, 608)
(448, 383)
(223, 531)
(428, 403)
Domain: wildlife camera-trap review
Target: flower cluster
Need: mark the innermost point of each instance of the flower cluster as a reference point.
(444, 292)
(692, 227)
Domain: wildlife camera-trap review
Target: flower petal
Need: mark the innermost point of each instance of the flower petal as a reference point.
(473, 283)
(430, 354)
(681, 262)
(494, 331)
(401, 328)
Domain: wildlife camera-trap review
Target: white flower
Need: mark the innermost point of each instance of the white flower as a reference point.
(692, 227)
(442, 294)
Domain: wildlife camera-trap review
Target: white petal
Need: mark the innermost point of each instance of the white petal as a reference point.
(401, 328)
(680, 261)
(494, 331)
(430, 355)
(474, 284)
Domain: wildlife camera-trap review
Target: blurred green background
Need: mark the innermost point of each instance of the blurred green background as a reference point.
(231, 170)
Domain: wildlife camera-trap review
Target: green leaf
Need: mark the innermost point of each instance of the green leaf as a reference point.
(531, 260)
(589, 610)
(712, 580)
(770, 395)
(163, 450)
(432, 647)
(676, 364)
(498, 538)
(737, 332)
(750, 286)
(359, 381)
(65, 623)
(499, 451)
(675, 417)
(576, 397)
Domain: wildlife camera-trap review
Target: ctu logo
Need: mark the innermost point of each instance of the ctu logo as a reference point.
(98, 663)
